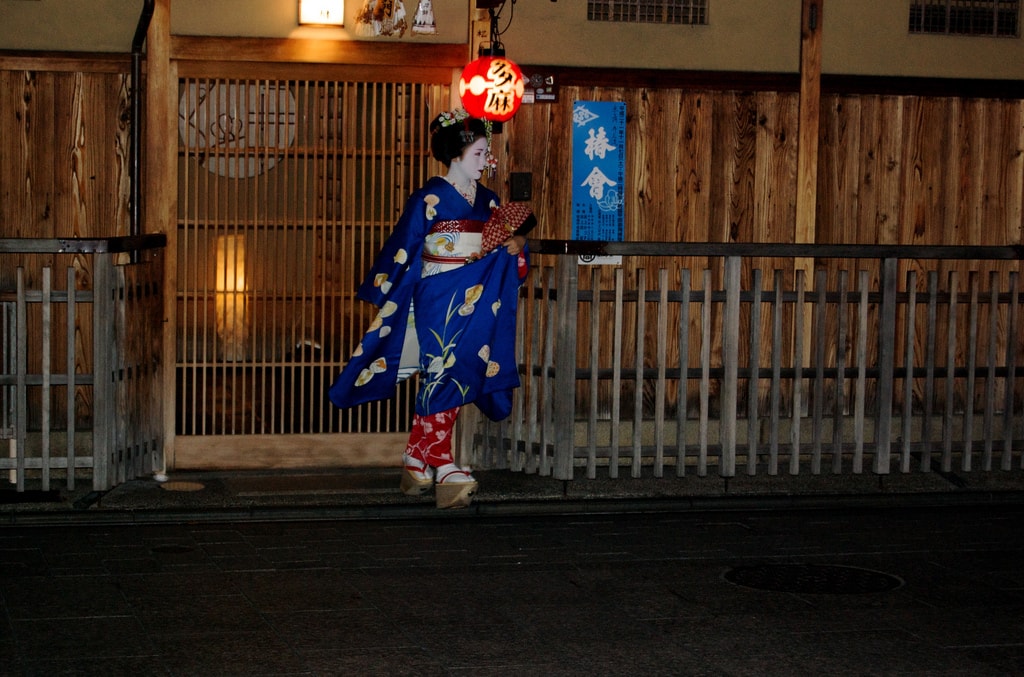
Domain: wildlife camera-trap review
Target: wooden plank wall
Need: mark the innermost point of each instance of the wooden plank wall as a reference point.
(64, 164)
(720, 166)
(63, 171)
(704, 164)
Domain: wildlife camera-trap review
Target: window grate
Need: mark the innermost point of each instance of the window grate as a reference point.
(694, 12)
(992, 18)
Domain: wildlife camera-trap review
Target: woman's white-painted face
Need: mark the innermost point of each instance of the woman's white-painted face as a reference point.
(473, 160)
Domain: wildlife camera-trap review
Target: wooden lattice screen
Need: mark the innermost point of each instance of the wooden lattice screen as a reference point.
(286, 191)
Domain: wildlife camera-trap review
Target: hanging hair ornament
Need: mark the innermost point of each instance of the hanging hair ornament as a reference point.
(424, 21)
(452, 117)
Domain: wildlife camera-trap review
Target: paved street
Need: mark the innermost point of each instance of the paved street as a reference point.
(846, 591)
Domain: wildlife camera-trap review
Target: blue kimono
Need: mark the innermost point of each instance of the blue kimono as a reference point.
(465, 318)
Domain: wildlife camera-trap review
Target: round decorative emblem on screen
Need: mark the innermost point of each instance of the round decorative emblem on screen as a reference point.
(237, 130)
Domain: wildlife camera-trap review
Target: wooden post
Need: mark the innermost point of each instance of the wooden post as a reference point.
(807, 148)
(886, 364)
(104, 337)
(810, 105)
(21, 382)
(730, 365)
(564, 386)
(161, 206)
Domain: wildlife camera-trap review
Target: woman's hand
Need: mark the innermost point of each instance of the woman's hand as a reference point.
(514, 244)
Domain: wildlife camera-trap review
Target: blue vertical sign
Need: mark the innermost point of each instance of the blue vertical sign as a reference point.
(598, 170)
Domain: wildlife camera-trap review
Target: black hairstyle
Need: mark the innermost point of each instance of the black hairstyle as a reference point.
(449, 137)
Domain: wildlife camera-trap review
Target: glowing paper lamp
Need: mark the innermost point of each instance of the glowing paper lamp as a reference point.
(322, 12)
(491, 88)
(229, 298)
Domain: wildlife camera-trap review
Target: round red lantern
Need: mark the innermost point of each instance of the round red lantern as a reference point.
(491, 88)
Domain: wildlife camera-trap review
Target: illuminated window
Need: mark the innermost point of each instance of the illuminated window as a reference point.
(993, 18)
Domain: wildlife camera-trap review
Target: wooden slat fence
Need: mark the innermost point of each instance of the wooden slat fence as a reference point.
(891, 359)
(80, 371)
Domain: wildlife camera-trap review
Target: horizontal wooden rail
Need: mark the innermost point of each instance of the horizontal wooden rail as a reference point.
(86, 245)
(770, 249)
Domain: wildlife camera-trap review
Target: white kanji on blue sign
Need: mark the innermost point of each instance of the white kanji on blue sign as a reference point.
(598, 170)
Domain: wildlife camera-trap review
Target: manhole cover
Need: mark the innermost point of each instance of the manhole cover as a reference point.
(812, 578)
(180, 485)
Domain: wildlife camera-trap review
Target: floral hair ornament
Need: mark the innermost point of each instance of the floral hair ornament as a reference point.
(459, 117)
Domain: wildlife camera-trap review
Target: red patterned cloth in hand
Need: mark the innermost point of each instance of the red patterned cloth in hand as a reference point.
(504, 221)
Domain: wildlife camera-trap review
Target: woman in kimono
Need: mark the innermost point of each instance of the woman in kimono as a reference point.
(447, 309)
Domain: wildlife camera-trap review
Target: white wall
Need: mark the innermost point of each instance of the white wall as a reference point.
(869, 37)
(279, 19)
(866, 37)
(69, 25)
(736, 38)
